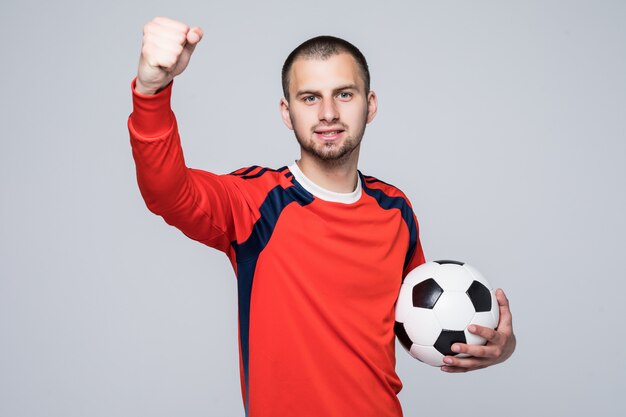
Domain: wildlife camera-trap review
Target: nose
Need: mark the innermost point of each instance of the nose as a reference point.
(328, 111)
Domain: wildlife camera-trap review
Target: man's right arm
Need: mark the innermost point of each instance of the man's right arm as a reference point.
(201, 204)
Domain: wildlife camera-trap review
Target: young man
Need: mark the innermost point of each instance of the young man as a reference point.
(319, 249)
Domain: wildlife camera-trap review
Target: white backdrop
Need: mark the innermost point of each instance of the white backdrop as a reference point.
(503, 121)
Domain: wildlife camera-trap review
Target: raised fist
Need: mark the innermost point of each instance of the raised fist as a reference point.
(165, 52)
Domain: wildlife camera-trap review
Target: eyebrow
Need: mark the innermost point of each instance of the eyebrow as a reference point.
(341, 88)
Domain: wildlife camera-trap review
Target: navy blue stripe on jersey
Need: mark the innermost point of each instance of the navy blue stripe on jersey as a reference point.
(372, 180)
(247, 171)
(247, 255)
(258, 174)
(387, 203)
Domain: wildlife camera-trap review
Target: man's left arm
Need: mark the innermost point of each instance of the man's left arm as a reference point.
(499, 347)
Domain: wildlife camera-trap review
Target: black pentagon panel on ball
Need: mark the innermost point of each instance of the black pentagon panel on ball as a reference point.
(480, 296)
(426, 293)
(448, 261)
(403, 337)
(446, 339)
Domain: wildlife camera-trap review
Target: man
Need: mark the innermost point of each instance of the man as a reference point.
(319, 249)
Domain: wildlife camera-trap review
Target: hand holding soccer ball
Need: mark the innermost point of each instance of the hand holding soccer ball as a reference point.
(165, 52)
(499, 347)
(447, 315)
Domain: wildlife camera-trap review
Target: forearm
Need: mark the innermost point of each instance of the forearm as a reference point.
(191, 200)
(159, 160)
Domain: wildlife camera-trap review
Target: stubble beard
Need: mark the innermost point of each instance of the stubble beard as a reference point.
(330, 153)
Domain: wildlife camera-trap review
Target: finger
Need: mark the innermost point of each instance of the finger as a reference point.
(159, 57)
(502, 298)
(467, 364)
(457, 370)
(165, 37)
(485, 332)
(170, 23)
(165, 56)
(167, 30)
(195, 35)
(490, 351)
(506, 319)
(453, 369)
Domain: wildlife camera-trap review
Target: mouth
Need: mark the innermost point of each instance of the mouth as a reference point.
(329, 134)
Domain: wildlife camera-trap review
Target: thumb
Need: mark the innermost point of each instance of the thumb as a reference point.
(505, 311)
(193, 37)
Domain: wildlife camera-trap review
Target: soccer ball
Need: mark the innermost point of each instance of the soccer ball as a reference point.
(437, 301)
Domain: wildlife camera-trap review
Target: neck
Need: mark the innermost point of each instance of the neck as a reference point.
(337, 176)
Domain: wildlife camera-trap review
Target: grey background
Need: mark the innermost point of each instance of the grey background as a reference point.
(503, 121)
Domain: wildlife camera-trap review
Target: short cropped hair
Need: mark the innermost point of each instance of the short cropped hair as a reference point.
(324, 47)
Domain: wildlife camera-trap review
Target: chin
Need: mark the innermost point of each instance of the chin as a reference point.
(332, 152)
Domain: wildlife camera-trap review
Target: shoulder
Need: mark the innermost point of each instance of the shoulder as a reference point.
(373, 185)
(252, 185)
(256, 176)
(254, 172)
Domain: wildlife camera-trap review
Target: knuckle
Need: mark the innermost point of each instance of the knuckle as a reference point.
(149, 52)
(479, 331)
(179, 50)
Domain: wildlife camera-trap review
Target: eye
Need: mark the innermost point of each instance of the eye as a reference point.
(345, 95)
(309, 99)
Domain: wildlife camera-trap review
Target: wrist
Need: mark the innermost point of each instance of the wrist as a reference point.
(152, 115)
(143, 90)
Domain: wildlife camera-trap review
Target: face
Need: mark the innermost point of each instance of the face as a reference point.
(328, 107)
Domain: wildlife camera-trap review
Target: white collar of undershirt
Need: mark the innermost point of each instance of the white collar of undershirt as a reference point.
(323, 193)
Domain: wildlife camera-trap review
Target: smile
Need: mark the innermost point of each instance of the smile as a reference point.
(329, 134)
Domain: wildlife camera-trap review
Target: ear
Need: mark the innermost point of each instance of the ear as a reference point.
(372, 106)
(284, 113)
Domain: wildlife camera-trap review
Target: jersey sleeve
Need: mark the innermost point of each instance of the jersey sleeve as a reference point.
(212, 209)
(414, 255)
(417, 256)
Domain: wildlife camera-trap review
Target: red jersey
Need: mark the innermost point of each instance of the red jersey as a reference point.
(318, 273)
